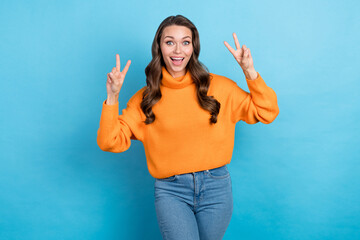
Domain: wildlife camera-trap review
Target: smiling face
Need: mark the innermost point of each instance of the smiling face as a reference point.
(176, 48)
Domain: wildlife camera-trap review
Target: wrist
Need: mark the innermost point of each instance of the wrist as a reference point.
(112, 99)
(251, 74)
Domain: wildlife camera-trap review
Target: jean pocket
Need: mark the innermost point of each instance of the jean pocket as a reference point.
(168, 179)
(218, 173)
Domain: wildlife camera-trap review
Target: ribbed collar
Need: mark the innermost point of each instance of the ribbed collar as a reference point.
(179, 82)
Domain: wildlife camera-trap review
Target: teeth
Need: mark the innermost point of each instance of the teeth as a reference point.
(177, 58)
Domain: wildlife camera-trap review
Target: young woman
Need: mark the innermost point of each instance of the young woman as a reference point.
(186, 117)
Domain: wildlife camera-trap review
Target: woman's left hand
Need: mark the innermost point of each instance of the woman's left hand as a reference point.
(242, 55)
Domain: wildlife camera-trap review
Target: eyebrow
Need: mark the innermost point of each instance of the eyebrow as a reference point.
(173, 37)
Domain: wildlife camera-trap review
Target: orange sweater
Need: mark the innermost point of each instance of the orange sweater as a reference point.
(181, 139)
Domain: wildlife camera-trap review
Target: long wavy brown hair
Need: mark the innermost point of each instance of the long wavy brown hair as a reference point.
(198, 71)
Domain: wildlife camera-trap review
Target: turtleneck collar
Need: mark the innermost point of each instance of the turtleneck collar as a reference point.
(178, 82)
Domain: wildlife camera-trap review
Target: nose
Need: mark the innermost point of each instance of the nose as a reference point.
(177, 48)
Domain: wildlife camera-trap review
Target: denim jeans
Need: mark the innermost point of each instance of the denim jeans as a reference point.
(195, 205)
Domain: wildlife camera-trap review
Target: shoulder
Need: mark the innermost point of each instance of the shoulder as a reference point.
(137, 97)
(221, 82)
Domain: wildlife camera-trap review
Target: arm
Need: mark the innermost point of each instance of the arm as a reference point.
(258, 105)
(114, 134)
(261, 103)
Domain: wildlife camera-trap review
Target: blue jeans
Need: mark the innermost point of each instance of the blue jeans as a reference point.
(195, 205)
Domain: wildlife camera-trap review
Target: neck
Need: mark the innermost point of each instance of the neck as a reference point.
(175, 82)
(176, 74)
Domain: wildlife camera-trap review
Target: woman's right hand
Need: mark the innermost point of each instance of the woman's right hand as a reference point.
(115, 78)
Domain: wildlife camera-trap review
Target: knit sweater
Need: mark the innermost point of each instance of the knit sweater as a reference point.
(181, 139)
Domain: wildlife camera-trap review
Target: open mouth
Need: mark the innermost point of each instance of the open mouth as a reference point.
(177, 61)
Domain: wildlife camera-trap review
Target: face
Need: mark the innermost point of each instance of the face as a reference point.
(176, 48)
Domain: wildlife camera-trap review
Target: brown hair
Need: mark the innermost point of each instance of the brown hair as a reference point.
(198, 72)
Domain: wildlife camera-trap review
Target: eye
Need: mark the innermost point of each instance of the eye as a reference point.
(187, 42)
(168, 42)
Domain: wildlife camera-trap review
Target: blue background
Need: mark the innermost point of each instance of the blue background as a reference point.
(296, 178)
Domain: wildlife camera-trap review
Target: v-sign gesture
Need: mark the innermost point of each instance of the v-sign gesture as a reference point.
(115, 78)
(243, 56)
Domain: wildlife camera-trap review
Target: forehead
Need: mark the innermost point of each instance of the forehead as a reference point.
(176, 32)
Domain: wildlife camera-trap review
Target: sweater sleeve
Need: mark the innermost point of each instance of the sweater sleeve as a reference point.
(116, 131)
(258, 105)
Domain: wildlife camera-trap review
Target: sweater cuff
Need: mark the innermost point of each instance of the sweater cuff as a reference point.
(109, 112)
(257, 84)
(111, 108)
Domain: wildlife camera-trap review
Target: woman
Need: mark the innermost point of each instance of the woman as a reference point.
(186, 117)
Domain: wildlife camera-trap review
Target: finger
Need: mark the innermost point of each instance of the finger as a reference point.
(230, 48)
(243, 51)
(118, 62)
(113, 70)
(236, 41)
(126, 68)
(247, 52)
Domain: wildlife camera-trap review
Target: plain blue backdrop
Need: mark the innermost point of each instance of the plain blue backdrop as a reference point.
(296, 178)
